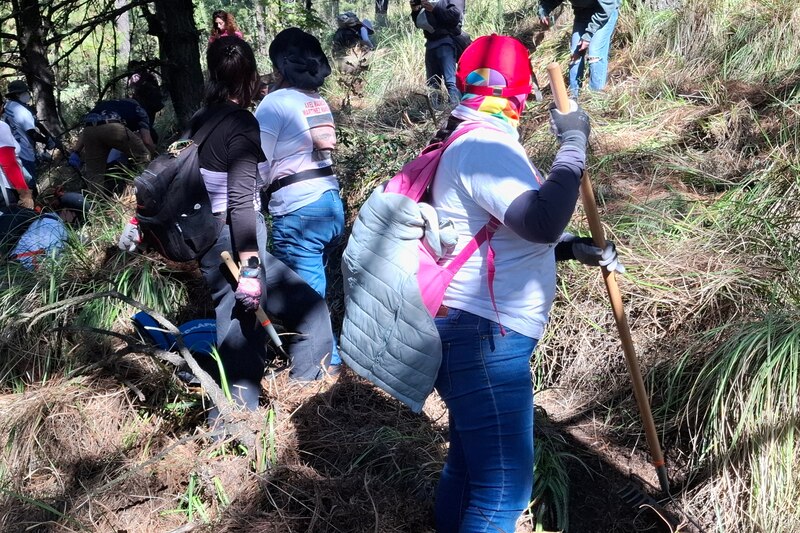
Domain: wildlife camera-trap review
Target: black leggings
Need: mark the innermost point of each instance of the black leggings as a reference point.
(240, 338)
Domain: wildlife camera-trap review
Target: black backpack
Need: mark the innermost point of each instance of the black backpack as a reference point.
(344, 39)
(172, 204)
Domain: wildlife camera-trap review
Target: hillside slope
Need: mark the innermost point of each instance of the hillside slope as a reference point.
(694, 157)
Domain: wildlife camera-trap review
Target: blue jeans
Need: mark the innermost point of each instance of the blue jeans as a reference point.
(440, 64)
(304, 239)
(596, 57)
(485, 381)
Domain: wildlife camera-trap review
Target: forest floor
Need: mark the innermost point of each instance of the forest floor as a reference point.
(335, 457)
(117, 444)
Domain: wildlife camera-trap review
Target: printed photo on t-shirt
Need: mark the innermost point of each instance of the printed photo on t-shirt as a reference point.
(320, 125)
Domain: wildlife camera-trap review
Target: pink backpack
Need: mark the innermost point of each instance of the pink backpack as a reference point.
(413, 181)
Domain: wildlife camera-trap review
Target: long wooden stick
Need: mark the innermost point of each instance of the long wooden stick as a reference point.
(261, 315)
(598, 236)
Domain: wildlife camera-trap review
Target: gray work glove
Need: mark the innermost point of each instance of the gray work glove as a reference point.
(584, 251)
(131, 236)
(572, 128)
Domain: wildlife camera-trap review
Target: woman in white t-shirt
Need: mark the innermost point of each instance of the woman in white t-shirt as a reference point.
(489, 329)
(298, 138)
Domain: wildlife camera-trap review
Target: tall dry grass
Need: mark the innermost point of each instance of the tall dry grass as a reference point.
(694, 158)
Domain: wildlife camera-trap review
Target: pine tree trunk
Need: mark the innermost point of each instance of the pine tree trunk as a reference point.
(123, 27)
(35, 65)
(261, 25)
(177, 34)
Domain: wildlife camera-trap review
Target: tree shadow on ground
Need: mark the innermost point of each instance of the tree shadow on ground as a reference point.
(363, 463)
(375, 447)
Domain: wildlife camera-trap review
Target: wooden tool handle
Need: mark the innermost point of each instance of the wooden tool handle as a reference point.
(587, 194)
(598, 236)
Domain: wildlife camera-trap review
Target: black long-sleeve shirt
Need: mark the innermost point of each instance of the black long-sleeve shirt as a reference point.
(541, 216)
(234, 147)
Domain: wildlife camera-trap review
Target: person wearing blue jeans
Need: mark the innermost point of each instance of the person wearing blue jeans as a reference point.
(305, 238)
(590, 43)
(298, 138)
(440, 67)
(496, 307)
(440, 21)
(481, 366)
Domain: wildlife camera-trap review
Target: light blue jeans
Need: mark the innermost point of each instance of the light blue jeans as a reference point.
(304, 238)
(485, 381)
(596, 57)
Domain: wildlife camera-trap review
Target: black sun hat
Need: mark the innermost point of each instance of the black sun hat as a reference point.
(298, 56)
(17, 87)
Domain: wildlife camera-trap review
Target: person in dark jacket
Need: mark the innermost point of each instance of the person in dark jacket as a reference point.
(351, 32)
(121, 124)
(440, 21)
(591, 39)
(143, 86)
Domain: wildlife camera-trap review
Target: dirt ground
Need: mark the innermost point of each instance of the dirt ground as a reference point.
(613, 487)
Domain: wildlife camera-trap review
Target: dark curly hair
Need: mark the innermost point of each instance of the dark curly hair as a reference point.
(228, 19)
(231, 72)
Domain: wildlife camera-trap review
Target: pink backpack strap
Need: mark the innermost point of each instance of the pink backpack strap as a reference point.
(419, 187)
(490, 229)
(484, 235)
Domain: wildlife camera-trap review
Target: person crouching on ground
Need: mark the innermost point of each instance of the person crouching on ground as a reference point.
(298, 139)
(32, 237)
(113, 124)
(488, 333)
(229, 160)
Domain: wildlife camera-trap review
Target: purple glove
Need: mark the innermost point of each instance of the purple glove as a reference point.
(248, 291)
